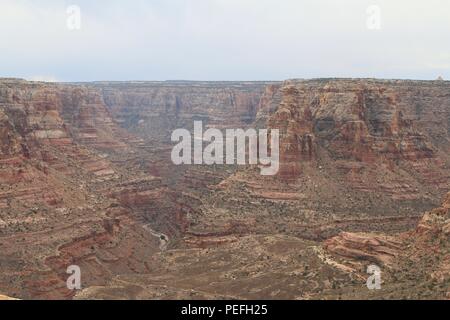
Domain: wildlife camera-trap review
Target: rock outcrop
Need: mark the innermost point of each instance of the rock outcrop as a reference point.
(419, 258)
(373, 248)
(370, 129)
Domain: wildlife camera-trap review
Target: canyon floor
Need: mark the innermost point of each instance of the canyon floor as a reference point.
(86, 179)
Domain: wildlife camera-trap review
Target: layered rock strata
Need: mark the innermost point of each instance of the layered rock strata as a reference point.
(86, 179)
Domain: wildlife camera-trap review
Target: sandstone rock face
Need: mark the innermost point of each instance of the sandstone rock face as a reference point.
(371, 130)
(378, 249)
(431, 241)
(88, 119)
(10, 139)
(155, 109)
(65, 195)
(422, 255)
(436, 222)
(58, 114)
(86, 179)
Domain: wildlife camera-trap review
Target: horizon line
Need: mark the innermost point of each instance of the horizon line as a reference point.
(439, 79)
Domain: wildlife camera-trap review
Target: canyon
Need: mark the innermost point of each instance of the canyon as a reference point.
(86, 179)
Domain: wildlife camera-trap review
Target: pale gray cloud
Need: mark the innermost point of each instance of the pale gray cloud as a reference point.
(224, 39)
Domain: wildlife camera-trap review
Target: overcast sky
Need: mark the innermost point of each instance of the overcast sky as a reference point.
(224, 39)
